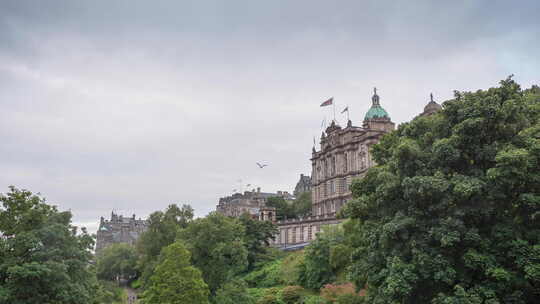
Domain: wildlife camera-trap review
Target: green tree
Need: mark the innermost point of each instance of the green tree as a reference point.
(217, 247)
(451, 213)
(317, 270)
(161, 232)
(257, 238)
(43, 257)
(117, 261)
(302, 205)
(175, 280)
(284, 209)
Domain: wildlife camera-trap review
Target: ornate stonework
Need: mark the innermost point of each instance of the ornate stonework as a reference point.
(343, 155)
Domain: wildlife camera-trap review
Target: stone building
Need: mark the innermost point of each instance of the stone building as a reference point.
(303, 185)
(344, 155)
(119, 229)
(251, 202)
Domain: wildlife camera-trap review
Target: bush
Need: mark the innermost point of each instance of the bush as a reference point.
(269, 299)
(331, 292)
(292, 294)
(349, 298)
(314, 300)
(340, 256)
(234, 292)
(268, 276)
(290, 271)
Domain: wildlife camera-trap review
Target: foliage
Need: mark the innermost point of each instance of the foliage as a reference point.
(217, 247)
(349, 298)
(284, 209)
(317, 269)
(234, 292)
(331, 292)
(290, 267)
(313, 299)
(107, 292)
(117, 261)
(451, 214)
(161, 232)
(43, 257)
(269, 299)
(268, 276)
(175, 280)
(302, 205)
(257, 238)
(292, 294)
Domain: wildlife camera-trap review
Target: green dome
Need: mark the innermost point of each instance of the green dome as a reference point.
(376, 111)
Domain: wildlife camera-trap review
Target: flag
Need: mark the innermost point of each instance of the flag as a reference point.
(328, 102)
(345, 110)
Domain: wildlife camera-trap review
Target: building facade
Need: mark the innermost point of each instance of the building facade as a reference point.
(344, 154)
(250, 202)
(119, 229)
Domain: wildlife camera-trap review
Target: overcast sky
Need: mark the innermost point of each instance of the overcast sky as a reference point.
(133, 105)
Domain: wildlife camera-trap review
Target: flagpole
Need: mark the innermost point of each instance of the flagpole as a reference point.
(334, 104)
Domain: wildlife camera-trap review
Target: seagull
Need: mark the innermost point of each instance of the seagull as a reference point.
(261, 166)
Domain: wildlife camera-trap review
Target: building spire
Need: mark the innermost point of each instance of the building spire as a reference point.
(375, 98)
(431, 96)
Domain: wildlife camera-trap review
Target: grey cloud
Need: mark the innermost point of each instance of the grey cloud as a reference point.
(133, 105)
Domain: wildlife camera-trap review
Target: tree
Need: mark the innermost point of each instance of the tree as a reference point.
(284, 209)
(175, 280)
(317, 270)
(257, 238)
(43, 258)
(302, 205)
(161, 232)
(217, 247)
(117, 261)
(451, 212)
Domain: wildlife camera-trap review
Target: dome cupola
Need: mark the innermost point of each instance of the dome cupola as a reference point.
(376, 111)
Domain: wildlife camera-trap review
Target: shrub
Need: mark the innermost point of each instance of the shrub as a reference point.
(340, 256)
(331, 292)
(234, 292)
(290, 271)
(314, 300)
(267, 276)
(349, 298)
(269, 299)
(292, 294)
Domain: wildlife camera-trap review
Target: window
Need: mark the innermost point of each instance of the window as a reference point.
(345, 164)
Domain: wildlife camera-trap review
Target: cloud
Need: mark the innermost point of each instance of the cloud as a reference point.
(133, 105)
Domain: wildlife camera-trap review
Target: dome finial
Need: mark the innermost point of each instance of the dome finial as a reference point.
(375, 98)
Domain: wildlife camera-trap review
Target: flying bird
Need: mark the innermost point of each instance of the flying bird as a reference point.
(261, 165)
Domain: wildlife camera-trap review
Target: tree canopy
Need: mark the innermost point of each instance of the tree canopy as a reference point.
(162, 230)
(451, 214)
(117, 261)
(217, 247)
(43, 257)
(175, 280)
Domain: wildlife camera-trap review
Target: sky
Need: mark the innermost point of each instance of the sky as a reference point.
(133, 105)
